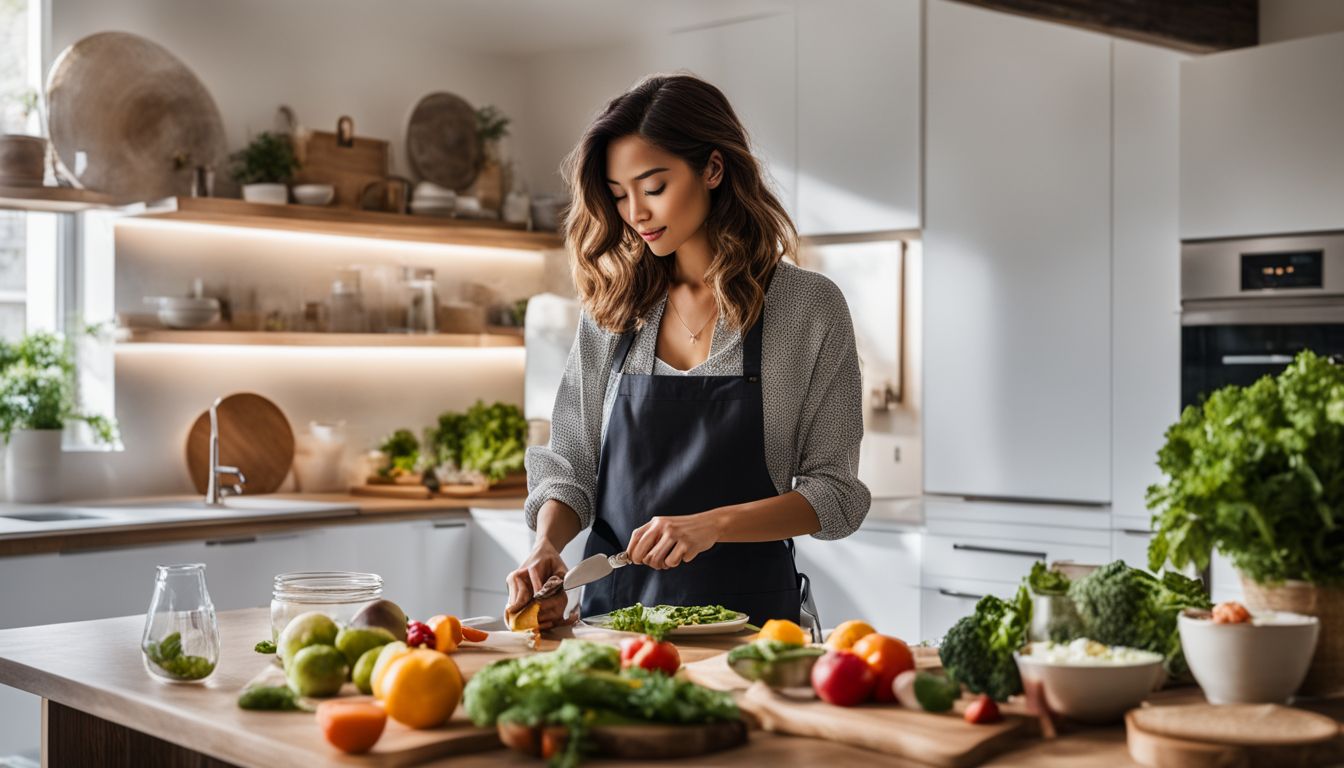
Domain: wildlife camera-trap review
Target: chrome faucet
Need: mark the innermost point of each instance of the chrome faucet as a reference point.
(214, 495)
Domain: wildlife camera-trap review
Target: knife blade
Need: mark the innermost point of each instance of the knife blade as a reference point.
(591, 569)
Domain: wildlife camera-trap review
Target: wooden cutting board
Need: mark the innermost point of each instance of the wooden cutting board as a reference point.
(324, 161)
(254, 436)
(1232, 736)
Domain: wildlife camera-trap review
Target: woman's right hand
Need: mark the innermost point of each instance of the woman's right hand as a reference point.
(543, 563)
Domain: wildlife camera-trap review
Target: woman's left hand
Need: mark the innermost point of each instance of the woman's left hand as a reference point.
(666, 542)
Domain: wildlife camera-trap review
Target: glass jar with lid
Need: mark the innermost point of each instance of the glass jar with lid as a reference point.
(339, 594)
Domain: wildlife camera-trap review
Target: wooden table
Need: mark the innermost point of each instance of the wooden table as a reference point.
(100, 707)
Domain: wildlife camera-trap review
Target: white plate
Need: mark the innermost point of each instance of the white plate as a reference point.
(717, 628)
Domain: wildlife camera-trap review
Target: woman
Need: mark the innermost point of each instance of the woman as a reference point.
(711, 407)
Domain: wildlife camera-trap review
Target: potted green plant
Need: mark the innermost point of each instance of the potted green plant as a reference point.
(264, 167)
(1258, 473)
(38, 397)
(491, 128)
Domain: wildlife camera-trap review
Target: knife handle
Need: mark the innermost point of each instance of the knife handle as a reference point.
(620, 560)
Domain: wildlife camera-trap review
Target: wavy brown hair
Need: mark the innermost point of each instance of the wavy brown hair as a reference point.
(618, 278)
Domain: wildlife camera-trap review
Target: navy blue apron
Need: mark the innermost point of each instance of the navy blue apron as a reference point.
(678, 445)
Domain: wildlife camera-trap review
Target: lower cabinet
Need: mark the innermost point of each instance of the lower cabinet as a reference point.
(871, 575)
(943, 601)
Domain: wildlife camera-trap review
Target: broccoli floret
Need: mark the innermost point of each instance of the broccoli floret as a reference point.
(1126, 606)
(978, 650)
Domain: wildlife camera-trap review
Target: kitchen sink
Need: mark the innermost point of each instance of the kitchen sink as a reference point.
(54, 516)
(258, 505)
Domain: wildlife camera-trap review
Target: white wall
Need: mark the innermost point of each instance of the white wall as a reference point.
(1289, 19)
(323, 58)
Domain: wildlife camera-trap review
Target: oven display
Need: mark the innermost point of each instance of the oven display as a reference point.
(1290, 269)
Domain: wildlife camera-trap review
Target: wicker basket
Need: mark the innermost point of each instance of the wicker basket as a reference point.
(1325, 677)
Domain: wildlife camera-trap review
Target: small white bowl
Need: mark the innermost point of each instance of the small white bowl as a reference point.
(314, 194)
(1092, 693)
(184, 311)
(1263, 661)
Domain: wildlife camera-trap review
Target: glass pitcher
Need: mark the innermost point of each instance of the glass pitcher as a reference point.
(181, 639)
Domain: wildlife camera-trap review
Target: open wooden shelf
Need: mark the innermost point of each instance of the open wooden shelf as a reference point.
(504, 338)
(54, 199)
(327, 220)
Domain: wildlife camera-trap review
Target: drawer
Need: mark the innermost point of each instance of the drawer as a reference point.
(997, 559)
(1131, 545)
(942, 606)
(939, 510)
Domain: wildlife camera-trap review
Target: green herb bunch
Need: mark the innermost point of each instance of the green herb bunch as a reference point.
(487, 440)
(1258, 473)
(38, 388)
(268, 159)
(402, 451)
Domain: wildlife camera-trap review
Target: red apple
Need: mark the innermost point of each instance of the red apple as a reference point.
(646, 653)
(843, 678)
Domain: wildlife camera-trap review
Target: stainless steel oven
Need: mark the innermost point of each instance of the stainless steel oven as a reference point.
(1249, 305)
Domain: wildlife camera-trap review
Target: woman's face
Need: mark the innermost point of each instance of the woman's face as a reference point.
(658, 194)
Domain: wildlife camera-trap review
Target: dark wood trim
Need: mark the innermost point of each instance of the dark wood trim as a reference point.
(1194, 26)
(71, 737)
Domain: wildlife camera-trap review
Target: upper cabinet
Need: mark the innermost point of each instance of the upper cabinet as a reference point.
(1262, 140)
(752, 62)
(858, 116)
(1017, 248)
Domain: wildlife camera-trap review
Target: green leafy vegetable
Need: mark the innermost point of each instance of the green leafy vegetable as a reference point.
(580, 684)
(1127, 606)
(978, 650)
(936, 693)
(265, 646)
(487, 440)
(658, 620)
(1258, 473)
(167, 655)
(1044, 581)
(278, 698)
(402, 451)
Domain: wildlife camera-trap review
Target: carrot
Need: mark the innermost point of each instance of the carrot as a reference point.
(351, 726)
(474, 635)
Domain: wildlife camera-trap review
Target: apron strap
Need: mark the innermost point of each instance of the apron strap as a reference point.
(622, 351)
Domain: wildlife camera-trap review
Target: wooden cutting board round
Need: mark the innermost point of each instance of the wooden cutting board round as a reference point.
(1224, 736)
(254, 436)
(133, 115)
(441, 141)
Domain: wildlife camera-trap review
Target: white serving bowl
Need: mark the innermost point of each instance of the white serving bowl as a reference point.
(314, 194)
(1263, 661)
(184, 311)
(1092, 693)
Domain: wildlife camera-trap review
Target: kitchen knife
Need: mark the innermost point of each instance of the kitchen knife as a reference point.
(591, 569)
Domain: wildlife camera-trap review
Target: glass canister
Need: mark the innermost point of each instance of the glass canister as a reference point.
(181, 639)
(339, 594)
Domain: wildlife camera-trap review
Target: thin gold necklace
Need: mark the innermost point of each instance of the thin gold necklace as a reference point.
(695, 335)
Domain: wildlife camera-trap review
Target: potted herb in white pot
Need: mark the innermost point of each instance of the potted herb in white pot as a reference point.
(264, 168)
(1258, 473)
(38, 397)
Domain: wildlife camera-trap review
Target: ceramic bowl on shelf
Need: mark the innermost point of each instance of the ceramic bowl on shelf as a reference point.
(1262, 661)
(184, 312)
(314, 194)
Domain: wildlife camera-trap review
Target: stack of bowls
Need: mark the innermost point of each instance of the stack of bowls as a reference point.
(430, 199)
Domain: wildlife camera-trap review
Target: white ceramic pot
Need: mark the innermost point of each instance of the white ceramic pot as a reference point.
(272, 194)
(33, 465)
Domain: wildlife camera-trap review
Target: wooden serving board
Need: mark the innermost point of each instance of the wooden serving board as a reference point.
(254, 436)
(1233, 735)
(348, 169)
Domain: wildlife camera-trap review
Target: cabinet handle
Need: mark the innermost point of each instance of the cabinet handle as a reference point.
(997, 551)
(1136, 532)
(450, 524)
(958, 595)
(231, 542)
(1257, 359)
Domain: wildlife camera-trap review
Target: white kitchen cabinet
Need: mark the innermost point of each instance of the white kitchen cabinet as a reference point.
(240, 572)
(871, 575)
(753, 62)
(1017, 247)
(944, 601)
(423, 562)
(1145, 273)
(1262, 150)
(858, 116)
(1131, 545)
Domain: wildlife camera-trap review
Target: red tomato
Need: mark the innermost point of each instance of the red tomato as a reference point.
(888, 657)
(646, 653)
(842, 678)
(983, 710)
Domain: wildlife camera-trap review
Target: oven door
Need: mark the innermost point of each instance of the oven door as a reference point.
(1237, 342)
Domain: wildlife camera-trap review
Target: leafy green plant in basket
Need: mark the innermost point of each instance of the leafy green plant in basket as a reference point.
(1258, 473)
(267, 159)
(488, 441)
(38, 388)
